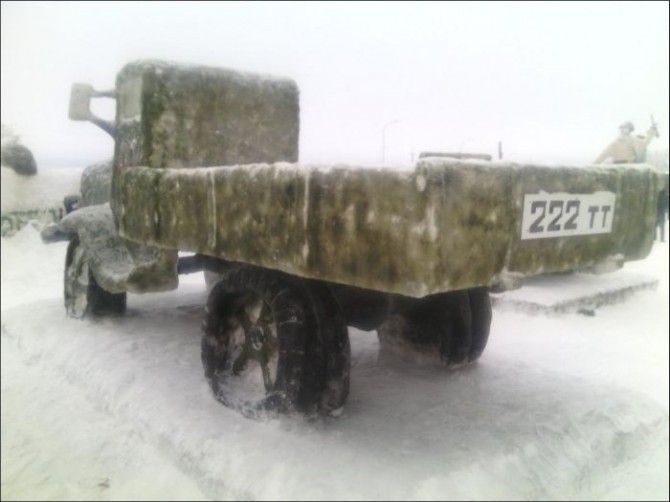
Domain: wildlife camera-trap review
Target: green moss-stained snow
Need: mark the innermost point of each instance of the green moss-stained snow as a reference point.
(442, 226)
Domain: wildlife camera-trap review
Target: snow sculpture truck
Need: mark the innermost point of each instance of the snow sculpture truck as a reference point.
(206, 162)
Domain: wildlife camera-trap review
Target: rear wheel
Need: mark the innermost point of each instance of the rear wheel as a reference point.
(273, 342)
(453, 325)
(211, 278)
(82, 295)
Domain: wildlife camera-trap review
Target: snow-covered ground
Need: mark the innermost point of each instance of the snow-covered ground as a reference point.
(559, 407)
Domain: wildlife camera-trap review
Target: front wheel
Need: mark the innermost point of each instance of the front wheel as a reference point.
(82, 295)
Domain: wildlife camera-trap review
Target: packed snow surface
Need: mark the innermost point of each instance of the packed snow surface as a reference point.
(559, 407)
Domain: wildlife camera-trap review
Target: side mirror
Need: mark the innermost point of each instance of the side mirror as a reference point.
(80, 102)
(80, 106)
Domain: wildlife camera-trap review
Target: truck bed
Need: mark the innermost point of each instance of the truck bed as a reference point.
(438, 226)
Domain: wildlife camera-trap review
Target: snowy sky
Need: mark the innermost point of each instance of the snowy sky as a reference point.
(552, 81)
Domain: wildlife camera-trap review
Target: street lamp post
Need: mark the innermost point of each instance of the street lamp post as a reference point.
(384, 139)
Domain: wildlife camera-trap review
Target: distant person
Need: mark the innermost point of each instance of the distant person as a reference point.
(662, 210)
(628, 149)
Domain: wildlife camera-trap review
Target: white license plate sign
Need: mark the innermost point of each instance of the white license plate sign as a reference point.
(547, 215)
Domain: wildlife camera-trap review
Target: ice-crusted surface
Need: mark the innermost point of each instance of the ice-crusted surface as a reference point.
(444, 225)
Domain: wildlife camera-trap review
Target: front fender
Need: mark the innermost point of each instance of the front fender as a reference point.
(118, 265)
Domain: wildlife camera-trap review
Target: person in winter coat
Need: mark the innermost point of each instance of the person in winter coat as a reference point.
(627, 149)
(662, 210)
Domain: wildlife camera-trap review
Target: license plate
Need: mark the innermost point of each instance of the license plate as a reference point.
(548, 215)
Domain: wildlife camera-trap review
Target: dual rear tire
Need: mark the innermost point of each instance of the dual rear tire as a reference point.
(454, 325)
